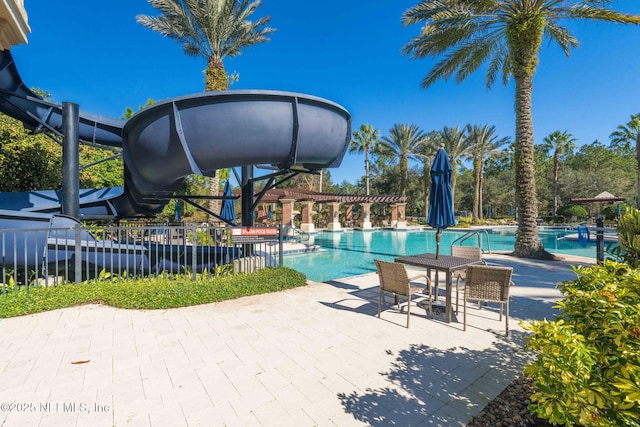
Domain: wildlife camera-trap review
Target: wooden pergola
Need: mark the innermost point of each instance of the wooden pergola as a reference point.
(604, 197)
(287, 197)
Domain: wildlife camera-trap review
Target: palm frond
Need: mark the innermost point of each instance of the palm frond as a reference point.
(499, 62)
(585, 11)
(212, 28)
(562, 36)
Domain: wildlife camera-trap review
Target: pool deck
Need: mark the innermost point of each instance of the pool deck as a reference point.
(311, 356)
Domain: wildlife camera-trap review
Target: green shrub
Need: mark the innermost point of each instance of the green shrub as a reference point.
(464, 222)
(610, 212)
(587, 369)
(568, 211)
(148, 293)
(628, 249)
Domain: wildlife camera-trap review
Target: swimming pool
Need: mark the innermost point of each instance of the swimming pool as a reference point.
(350, 253)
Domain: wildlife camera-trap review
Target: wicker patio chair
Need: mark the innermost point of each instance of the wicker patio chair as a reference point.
(488, 283)
(472, 252)
(395, 280)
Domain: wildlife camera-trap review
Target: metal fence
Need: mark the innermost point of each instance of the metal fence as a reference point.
(49, 256)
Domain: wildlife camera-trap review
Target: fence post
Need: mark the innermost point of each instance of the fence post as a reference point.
(280, 247)
(194, 250)
(600, 239)
(77, 256)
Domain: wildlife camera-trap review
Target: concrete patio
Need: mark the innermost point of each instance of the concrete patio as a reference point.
(312, 356)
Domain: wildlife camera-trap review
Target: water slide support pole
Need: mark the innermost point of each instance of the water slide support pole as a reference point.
(247, 196)
(70, 160)
(247, 204)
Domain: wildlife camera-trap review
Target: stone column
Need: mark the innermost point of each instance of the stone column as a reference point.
(366, 216)
(400, 220)
(287, 211)
(394, 215)
(306, 214)
(334, 216)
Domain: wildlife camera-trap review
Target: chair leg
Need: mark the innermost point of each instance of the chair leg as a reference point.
(408, 310)
(506, 316)
(464, 308)
(380, 302)
(501, 308)
(457, 292)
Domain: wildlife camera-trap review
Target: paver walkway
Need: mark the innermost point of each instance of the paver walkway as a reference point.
(312, 356)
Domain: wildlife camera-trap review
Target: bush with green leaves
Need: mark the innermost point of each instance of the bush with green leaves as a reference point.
(587, 368)
(610, 212)
(568, 211)
(148, 293)
(628, 248)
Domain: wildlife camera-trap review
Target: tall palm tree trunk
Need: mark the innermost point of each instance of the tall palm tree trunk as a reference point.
(556, 170)
(427, 185)
(638, 161)
(477, 201)
(481, 199)
(404, 170)
(527, 243)
(215, 78)
(366, 167)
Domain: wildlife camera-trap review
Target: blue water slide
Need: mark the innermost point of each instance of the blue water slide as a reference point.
(194, 134)
(19, 102)
(198, 134)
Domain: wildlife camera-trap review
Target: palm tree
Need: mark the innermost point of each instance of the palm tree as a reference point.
(624, 136)
(403, 142)
(365, 140)
(562, 144)
(483, 143)
(456, 144)
(507, 34)
(213, 30)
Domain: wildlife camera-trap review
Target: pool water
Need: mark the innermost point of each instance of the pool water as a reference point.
(351, 253)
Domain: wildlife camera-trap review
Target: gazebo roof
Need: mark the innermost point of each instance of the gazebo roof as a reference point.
(604, 197)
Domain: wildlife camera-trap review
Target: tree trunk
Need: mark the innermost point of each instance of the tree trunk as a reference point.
(366, 167)
(427, 185)
(215, 78)
(527, 243)
(477, 203)
(480, 190)
(556, 169)
(638, 161)
(404, 168)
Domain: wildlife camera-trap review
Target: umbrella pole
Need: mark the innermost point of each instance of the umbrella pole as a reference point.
(438, 237)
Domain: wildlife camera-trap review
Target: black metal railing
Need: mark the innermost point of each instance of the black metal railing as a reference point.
(49, 256)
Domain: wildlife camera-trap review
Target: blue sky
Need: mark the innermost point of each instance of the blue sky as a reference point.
(350, 52)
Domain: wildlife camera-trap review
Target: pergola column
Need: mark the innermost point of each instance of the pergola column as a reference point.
(334, 216)
(398, 217)
(306, 213)
(287, 211)
(366, 216)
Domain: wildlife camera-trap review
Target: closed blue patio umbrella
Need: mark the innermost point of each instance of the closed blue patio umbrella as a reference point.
(441, 213)
(228, 210)
(177, 215)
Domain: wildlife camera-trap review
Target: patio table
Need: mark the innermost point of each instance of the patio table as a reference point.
(445, 263)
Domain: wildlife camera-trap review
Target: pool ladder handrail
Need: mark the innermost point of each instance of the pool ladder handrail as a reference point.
(296, 234)
(476, 233)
